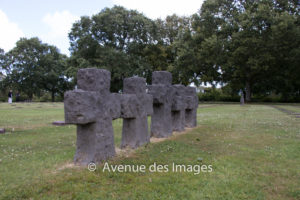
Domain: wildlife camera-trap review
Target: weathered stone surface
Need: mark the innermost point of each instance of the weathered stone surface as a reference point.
(190, 102)
(159, 93)
(134, 85)
(2, 130)
(130, 106)
(95, 142)
(81, 107)
(93, 79)
(115, 105)
(162, 92)
(191, 107)
(135, 108)
(161, 77)
(92, 108)
(179, 105)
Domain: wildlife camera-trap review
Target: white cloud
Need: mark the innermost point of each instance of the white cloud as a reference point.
(59, 24)
(161, 8)
(10, 32)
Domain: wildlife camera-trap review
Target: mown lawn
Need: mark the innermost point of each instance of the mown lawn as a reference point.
(253, 149)
(289, 107)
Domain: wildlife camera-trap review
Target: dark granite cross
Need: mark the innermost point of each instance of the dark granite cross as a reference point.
(178, 107)
(92, 108)
(162, 92)
(136, 105)
(191, 107)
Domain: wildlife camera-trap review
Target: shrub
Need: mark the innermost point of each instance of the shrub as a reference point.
(216, 94)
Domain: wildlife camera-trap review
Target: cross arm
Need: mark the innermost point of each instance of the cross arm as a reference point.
(80, 106)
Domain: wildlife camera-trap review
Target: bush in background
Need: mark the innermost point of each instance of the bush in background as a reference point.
(217, 94)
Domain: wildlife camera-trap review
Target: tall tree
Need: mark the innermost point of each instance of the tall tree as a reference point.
(52, 71)
(33, 66)
(115, 39)
(196, 55)
(175, 35)
(248, 40)
(2, 69)
(286, 50)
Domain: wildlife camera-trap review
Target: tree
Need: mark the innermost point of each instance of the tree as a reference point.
(52, 72)
(172, 28)
(33, 67)
(175, 35)
(239, 43)
(115, 39)
(249, 45)
(196, 55)
(2, 59)
(286, 50)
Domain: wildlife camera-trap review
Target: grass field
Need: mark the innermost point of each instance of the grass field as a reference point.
(254, 151)
(295, 109)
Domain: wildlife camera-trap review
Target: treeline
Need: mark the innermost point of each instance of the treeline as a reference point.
(252, 45)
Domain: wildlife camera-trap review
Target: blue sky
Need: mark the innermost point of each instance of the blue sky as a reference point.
(51, 20)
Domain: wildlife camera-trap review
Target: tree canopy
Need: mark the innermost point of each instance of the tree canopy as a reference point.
(116, 39)
(250, 45)
(33, 66)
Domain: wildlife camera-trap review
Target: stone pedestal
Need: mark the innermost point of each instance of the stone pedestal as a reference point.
(191, 107)
(92, 108)
(178, 108)
(135, 107)
(162, 92)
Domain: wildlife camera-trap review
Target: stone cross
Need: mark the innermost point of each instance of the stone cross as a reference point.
(92, 108)
(136, 105)
(162, 92)
(191, 107)
(178, 107)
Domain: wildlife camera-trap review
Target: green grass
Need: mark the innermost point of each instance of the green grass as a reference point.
(292, 108)
(253, 149)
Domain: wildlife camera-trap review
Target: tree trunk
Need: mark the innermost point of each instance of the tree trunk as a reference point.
(30, 96)
(53, 96)
(248, 91)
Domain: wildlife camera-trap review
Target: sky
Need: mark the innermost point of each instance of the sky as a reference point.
(51, 20)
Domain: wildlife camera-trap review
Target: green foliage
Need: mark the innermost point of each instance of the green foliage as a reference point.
(46, 97)
(172, 31)
(253, 44)
(33, 67)
(216, 94)
(117, 39)
(249, 45)
(2, 60)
